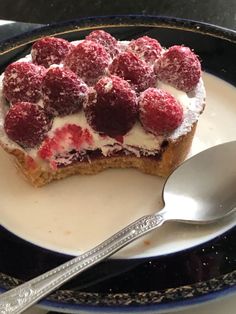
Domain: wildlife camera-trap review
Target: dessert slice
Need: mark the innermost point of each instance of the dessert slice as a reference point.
(99, 103)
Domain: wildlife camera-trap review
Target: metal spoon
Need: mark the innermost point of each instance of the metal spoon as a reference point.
(202, 190)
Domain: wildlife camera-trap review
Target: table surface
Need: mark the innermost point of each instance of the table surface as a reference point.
(218, 12)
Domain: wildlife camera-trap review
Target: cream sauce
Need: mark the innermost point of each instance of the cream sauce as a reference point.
(74, 214)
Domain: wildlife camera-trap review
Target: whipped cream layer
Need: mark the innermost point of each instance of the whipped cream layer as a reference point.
(137, 141)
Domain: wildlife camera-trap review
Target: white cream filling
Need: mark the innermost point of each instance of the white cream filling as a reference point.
(136, 141)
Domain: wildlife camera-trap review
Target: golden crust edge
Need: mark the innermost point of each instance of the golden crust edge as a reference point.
(172, 155)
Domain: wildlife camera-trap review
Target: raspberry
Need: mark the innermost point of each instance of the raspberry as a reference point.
(129, 67)
(26, 124)
(106, 40)
(160, 112)
(50, 50)
(22, 82)
(88, 60)
(63, 92)
(65, 139)
(114, 109)
(146, 48)
(179, 67)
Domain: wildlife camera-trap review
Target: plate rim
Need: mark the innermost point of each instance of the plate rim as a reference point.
(160, 21)
(171, 305)
(154, 20)
(158, 308)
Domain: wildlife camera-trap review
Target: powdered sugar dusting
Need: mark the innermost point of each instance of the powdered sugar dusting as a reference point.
(88, 60)
(146, 48)
(27, 124)
(22, 82)
(191, 115)
(180, 67)
(105, 39)
(137, 141)
(131, 68)
(50, 50)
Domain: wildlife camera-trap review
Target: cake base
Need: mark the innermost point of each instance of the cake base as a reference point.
(169, 158)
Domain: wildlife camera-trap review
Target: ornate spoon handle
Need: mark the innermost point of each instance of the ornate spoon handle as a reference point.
(22, 297)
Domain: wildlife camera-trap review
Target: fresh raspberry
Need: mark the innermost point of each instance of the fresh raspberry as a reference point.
(179, 67)
(63, 92)
(146, 48)
(88, 60)
(26, 124)
(160, 112)
(68, 138)
(106, 40)
(129, 67)
(113, 111)
(50, 50)
(22, 82)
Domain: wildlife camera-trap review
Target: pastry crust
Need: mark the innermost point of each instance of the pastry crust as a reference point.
(169, 158)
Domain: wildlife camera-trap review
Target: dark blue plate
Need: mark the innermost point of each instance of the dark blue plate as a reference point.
(138, 285)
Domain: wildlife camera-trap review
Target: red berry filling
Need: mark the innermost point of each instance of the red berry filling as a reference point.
(129, 67)
(89, 60)
(68, 138)
(63, 92)
(106, 40)
(146, 48)
(160, 113)
(26, 124)
(50, 50)
(180, 67)
(114, 109)
(22, 82)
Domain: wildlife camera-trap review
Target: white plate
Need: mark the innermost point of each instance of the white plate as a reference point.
(75, 214)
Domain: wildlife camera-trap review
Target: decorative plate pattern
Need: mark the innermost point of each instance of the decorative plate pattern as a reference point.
(207, 270)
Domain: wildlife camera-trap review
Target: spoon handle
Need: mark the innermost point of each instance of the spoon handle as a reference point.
(22, 297)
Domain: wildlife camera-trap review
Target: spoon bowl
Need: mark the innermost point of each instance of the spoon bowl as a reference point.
(201, 190)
